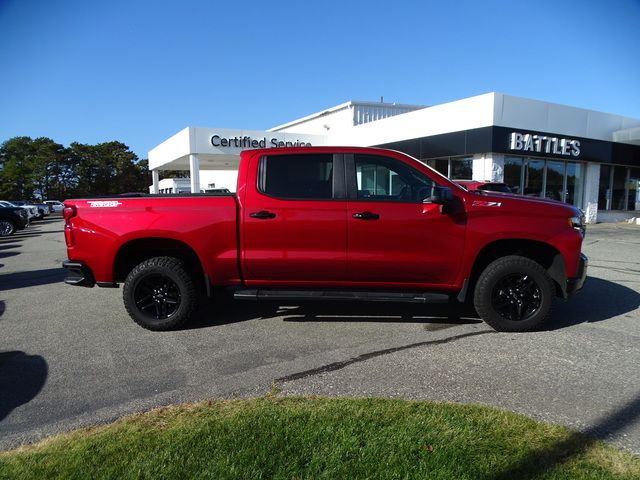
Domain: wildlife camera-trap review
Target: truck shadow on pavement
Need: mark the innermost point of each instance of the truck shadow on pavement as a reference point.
(598, 300)
(22, 377)
(543, 460)
(222, 312)
(11, 281)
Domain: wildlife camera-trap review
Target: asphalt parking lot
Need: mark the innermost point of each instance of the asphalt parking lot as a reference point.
(71, 357)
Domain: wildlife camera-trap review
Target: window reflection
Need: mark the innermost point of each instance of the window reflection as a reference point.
(618, 188)
(555, 181)
(576, 174)
(440, 164)
(533, 177)
(513, 173)
(604, 187)
(633, 188)
(462, 168)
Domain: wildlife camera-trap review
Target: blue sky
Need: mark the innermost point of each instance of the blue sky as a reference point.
(139, 71)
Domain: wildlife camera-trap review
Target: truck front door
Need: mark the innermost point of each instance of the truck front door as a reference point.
(394, 238)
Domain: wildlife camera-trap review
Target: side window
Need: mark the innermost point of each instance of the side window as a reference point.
(297, 176)
(387, 179)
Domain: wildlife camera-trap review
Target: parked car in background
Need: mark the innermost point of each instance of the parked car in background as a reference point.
(486, 186)
(55, 206)
(32, 210)
(12, 219)
(43, 210)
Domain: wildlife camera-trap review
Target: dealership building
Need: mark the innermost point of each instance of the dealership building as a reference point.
(587, 158)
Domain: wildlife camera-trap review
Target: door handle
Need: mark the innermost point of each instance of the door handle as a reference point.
(366, 216)
(262, 214)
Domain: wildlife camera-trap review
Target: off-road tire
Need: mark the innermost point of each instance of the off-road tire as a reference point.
(7, 228)
(159, 294)
(514, 294)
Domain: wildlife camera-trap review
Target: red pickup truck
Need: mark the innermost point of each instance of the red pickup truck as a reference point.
(330, 223)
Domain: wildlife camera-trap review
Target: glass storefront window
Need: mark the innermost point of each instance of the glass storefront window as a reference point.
(461, 168)
(554, 189)
(513, 172)
(533, 177)
(555, 179)
(618, 200)
(633, 189)
(576, 174)
(604, 188)
(440, 164)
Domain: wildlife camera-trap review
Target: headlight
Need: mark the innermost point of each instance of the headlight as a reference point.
(577, 223)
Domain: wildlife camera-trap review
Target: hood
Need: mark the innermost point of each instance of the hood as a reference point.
(527, 203)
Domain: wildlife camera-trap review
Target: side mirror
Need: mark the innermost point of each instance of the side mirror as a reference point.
(440, 195)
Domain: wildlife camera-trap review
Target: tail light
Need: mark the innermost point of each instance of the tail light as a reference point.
(68, 213)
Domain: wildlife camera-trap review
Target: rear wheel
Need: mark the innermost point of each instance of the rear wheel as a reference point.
(7, 228)
(159, 294)
(514, 294)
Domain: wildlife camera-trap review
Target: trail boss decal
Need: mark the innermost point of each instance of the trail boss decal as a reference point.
(104, 204)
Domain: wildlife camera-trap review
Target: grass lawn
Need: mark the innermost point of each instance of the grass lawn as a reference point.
(294, 438)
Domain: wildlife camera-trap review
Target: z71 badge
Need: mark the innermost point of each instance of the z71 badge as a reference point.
(484, 203)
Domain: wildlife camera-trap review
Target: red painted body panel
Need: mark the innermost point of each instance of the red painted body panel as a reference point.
(410, 243)
(206, 224)
(318, 243)
(306, 241)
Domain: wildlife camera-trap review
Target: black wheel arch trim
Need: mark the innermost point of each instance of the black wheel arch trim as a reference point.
(558, 273)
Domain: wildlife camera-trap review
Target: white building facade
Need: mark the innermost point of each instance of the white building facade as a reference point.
(586, 158)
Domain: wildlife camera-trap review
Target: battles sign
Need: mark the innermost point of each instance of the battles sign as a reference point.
(527, 142)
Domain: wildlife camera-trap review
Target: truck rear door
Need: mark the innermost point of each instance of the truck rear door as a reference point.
(294, 227)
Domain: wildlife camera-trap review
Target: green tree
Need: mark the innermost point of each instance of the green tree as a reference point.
(107, 168)
(48, 163)
(16, 181)
(41, 168)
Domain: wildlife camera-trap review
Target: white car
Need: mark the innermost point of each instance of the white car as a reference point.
(56, 206)
(32, 210)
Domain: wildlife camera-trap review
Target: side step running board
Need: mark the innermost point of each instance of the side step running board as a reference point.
(370, 296)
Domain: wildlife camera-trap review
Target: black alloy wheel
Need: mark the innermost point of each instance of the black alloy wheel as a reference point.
(159, 294)
(517, 297)
(514, 294)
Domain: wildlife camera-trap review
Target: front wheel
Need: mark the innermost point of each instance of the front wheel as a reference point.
(159, 294)
(7, 228)
(514, 294)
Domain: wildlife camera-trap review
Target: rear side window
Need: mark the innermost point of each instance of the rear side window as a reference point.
(297, 176)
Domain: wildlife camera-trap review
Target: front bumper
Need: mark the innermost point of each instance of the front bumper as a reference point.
(78, 274)
(575, 284)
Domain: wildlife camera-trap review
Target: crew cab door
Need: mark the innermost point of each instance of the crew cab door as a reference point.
(394, 237)
(294, 227)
